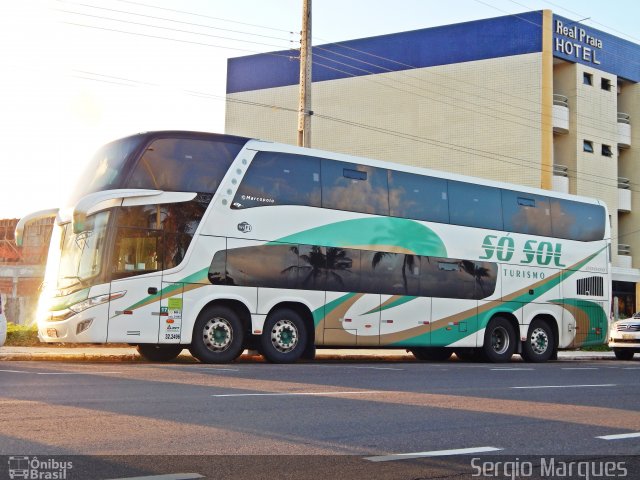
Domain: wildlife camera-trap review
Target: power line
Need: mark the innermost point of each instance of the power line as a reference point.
(169, 28)
(613, 132)
(508, 159)
(205, 16)
(595, 121)
(399, 89)
(170, 20)
(597, 23)
(528, 126)
(177, 40)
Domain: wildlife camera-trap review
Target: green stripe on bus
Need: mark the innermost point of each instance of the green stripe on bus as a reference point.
(385, 232)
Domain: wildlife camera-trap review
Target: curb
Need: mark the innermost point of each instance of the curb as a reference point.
(134, 357)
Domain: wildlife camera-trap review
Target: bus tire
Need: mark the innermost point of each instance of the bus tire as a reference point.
(159, 353)
(499, 340)
(431, 354)
(217, 335)
(284, 337)
(309, 352)
(623, 353)
(540, 343)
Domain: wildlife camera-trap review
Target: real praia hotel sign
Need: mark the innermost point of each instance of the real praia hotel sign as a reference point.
(576, 42)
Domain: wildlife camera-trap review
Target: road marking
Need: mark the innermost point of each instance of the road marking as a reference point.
(71, 373)
(568, 386)
(579, 368)
(620, 436)
(380, 368)
(294, 393)
(170, 476)
(631, 368)
(433, 453)
(207, 369)
(14, 371)
(510, 369)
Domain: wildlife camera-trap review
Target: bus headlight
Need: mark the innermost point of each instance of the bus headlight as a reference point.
(93, 301)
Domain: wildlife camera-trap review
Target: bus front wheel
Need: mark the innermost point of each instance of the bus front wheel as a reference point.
(217, 335)
(159, 353)
(499, 340)
(284, 337)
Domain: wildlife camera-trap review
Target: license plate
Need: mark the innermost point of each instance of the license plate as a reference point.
(628, 336)
(52, 333)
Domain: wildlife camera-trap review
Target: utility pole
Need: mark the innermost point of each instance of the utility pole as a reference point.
(304, 107)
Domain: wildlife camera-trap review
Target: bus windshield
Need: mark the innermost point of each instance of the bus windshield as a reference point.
(106, 168)
(81, 254)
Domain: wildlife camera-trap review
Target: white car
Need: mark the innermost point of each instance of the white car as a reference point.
(624, 337)
(3, 325)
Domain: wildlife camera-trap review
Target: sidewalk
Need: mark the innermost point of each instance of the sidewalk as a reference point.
(129, 354)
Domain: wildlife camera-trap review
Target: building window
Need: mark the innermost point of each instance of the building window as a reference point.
(605, 83)
(587, 146)
(587, 78)
(606, 151)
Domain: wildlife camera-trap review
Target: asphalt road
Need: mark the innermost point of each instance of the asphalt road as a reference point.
(356, 420)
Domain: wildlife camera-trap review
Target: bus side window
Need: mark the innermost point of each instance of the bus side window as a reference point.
(275, 178)
(475, 205)
(418, 197)
(354, 188)
(526, 213)
(577, 221)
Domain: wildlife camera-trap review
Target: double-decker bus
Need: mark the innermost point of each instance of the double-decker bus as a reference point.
(218, 243)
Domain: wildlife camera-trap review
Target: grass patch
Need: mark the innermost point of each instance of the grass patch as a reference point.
(22, 335)
(27, 336)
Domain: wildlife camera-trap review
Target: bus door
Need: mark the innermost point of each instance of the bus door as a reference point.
(171, 312)
(136, 273)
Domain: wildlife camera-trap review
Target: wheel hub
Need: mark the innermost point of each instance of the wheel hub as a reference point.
(500, 340)
(539, 341)
(217, 334)
(284, 336)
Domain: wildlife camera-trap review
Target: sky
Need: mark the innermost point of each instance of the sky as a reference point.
(75, 74)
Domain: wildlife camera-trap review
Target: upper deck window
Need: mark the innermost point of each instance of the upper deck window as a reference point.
(183, 165)
(280, 179)
(355, 188)
(475, 205)
(418, 196)
(106, 168)
(526, 213)
(577, 221)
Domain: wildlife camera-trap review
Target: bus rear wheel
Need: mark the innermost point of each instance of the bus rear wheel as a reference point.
(284, 337)
(540, 343)
(499, 340)
(159, 353)
(217, 335)
(431, 354)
